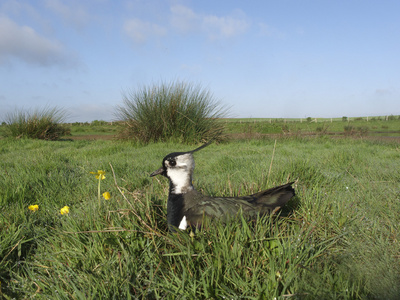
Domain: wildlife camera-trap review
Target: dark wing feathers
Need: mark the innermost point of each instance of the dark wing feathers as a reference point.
(275, 197)
(197, 205)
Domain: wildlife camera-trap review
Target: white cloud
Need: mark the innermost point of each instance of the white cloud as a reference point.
(269, 31)
(18, 7)
(139, 31)
(24, 43)
(383, 91)
(72, 14)
(224, 27)
(186, 20)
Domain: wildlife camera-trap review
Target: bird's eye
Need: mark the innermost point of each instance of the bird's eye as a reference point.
(172, 162)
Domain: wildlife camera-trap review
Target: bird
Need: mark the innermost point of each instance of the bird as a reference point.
(187, 207)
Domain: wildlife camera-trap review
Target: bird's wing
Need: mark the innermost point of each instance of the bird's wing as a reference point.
(199, 206)
(216, 208)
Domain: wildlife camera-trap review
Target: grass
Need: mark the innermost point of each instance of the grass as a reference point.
(45, 124)
(101, 128)
(376, 126)
(259, 128)
(176, 111)
(337, 239)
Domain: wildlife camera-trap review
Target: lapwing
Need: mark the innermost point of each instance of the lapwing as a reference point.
(186, 207)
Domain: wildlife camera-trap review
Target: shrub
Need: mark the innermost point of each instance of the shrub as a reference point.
(322, 129)
(363, 130)
(349, 130)
(177, 111)
(98, 123)
(40, 124)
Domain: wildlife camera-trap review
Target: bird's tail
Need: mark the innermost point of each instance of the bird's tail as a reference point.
(274, 198)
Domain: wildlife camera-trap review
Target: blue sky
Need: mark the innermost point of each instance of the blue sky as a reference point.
(272, 59)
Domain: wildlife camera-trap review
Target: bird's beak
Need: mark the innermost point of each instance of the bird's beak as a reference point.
(157, 172)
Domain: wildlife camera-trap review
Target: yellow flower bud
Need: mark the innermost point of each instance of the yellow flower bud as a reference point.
(100, 174)
(33, 207)
(107, 195)
(64, 210)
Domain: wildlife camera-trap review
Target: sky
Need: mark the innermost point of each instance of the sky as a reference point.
(263, 59)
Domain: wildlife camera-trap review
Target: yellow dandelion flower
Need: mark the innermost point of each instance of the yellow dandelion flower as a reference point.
(107, 195)
(64, 210)
(100, 174)
(33, 207)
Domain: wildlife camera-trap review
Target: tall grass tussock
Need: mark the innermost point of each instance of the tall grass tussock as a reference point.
(45, 124)
(176, 111)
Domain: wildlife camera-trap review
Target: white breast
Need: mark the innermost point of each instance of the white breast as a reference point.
(183, 223)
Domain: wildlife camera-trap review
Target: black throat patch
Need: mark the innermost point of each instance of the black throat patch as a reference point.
(175, 208)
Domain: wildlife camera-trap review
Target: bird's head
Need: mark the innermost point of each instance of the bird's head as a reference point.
(178, 167)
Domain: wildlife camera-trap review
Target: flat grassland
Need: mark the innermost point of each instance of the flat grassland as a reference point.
(387, 127)
(337, 239)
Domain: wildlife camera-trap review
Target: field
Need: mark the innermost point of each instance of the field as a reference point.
(256, 128)
(337, 239)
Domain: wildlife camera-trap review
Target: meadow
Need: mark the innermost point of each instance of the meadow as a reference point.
(254, 127)
(337, 239)
(388, 126)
